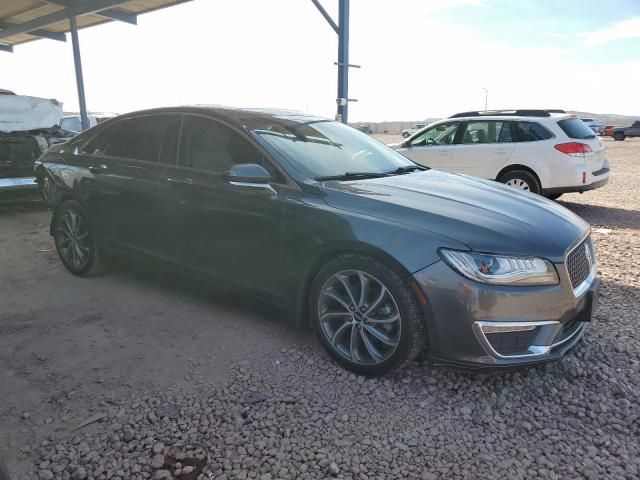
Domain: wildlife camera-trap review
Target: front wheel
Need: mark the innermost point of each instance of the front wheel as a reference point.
(75, 242)
(365, 315)
(522, 180)
(619, 136)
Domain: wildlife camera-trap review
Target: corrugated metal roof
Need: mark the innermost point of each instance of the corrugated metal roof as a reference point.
(26, 20)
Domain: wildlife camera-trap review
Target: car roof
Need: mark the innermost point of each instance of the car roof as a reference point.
(237, 115)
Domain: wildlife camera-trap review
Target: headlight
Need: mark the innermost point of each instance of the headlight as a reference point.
(501, 269)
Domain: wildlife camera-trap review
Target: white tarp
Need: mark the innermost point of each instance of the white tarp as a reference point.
(20, 113)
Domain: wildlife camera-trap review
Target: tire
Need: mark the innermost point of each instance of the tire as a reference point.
(83, 260)
(405, 135)
(368, 334)
(619, 136)
(521, 179)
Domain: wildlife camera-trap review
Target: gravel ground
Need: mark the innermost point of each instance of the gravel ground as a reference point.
(235, 394)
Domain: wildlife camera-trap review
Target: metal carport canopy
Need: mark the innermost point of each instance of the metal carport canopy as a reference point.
(27, 20)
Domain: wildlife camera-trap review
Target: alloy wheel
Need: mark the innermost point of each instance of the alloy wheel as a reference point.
(519, 184)
(73, 239)
(359, 317)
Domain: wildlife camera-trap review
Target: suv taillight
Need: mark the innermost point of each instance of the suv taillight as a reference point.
(575, 149)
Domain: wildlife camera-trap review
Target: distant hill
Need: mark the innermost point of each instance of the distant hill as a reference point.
(395, 127)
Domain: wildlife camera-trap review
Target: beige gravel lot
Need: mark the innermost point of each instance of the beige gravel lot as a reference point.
(130, 346)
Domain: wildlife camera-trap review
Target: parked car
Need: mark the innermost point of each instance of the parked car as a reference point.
(73, 123)
(533, 150)
(28, 126)
(621, 133)
(596, 125)
(608, 130)
(383, 256)
(407, 132)
(365, 129)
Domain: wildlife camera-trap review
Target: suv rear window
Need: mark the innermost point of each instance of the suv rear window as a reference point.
(531, 132)
(576, 128)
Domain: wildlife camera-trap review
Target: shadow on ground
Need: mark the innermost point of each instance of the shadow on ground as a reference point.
(605, 216)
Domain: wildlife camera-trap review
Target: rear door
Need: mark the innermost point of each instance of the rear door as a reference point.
(120, 178)
(485, 146)
(433, 147)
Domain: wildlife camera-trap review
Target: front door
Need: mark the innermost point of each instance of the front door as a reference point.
(232, 231)
(434, 147)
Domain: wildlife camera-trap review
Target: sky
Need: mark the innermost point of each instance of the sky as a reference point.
(420, 58)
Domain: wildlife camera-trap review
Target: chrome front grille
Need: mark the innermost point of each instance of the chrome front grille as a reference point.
(579, 262)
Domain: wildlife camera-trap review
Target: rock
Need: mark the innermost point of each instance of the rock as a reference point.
(157, 461)
(129, 435)
(158, 448)
(186, 470)
(45, 475)
(333, 468)
(162, 475)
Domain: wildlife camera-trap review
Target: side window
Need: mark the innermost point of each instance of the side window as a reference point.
(487, 132)
(137, 138)
(213, 147)
(531, 132)
(442, 134)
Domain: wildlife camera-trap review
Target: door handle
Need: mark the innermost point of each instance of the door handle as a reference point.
(97, 168)
(183, 181)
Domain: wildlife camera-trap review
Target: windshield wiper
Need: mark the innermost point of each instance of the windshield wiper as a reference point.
(406, 169)
(351, 176)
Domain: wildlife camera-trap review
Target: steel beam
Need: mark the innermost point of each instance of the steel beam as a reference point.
(6, 48)
(61, 37)
(326, 15)
(77, 61)
(84, 8)
(343, 60)
(112, 13)
(120, 15)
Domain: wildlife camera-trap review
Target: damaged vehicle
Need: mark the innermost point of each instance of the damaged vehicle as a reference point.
(28, 127)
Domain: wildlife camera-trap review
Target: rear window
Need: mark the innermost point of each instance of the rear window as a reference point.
(531, 132)
(576, 128)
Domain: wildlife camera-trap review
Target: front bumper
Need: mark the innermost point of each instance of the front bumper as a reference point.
(477, 326)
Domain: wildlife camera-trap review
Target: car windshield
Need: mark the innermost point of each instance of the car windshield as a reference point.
(325, 149)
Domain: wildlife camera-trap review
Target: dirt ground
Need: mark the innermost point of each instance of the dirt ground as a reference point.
(71, 348)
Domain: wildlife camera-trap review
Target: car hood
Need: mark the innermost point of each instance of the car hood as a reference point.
(484, 215)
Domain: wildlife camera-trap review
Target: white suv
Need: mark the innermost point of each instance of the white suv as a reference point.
(540, 151)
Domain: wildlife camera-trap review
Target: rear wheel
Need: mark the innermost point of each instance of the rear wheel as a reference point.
(522, 180)
(619, 136)
(365, 315)
(405, 135)
(74, 239)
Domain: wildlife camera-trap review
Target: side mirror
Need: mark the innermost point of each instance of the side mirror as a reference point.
(248, 173)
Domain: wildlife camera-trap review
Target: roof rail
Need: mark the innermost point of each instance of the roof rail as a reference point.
(507, 113)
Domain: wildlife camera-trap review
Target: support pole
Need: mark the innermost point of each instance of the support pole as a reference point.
(343, 60)
(79, 78)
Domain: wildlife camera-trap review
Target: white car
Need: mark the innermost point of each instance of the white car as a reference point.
(534, 150)
(407, 132)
